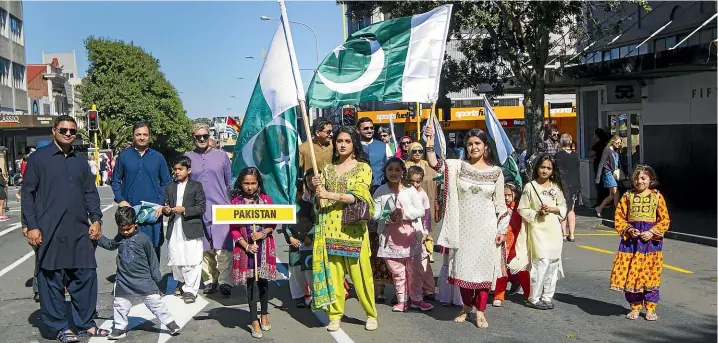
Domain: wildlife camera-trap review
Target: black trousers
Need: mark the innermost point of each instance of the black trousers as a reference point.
(263, 286)
(82, 286)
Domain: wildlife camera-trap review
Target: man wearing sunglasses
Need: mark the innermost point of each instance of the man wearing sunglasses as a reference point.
(141, 174)
(378, 151)
(322, 142)
(212, 168)
(553, 143)
(58, 197)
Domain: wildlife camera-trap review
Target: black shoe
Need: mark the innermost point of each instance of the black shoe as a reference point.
(36, 297)
(514, 288)
(225, 290)
(117, 334)
(189, 298)
(540, 305)
(570, 239)
(301, 303)
(549, 304)
(212, 288)
(173, 328)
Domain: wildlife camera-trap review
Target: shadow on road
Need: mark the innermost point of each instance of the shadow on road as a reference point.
(592, 306)
(705, 331)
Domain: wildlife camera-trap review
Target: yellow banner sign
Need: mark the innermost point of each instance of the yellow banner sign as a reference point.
(254, 214)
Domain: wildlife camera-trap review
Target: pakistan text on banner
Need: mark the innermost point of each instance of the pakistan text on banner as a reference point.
(254, 214)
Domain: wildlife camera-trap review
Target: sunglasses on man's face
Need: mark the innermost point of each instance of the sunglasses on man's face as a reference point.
(417, 151)
(405, 143)
(327, 132)
(201, 137)
(65, 131)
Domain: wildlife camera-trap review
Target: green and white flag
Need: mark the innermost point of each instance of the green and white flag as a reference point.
(396, 60)
(268, 139)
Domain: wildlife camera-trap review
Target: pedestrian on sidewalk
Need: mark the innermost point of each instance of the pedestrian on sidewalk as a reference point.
(184, 207)
(399, 213)
(3, 197)
(570, 168)
(610, 171)
(543, 207)
(137, 276)
(255, 257)
(515, 254)
(58, 197)
(641, 220)
(212, 168)
(141, 174)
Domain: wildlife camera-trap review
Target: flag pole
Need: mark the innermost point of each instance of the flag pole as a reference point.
(297, 81)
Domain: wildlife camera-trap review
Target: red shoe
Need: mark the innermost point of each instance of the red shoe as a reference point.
(422, 305)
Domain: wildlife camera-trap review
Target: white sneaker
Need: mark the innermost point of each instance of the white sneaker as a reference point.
(371, 324)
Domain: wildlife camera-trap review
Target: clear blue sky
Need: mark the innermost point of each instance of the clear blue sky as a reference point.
(201, 45)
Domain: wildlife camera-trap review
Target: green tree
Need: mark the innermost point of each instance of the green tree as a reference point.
(126, 84)
(203, 120)
(510, 43)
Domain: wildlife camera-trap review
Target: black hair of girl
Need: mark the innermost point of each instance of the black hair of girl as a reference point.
(514, 189)
(391, 160)
(555, 173)
(356, 144)
(183, 161)
(237, 191)
(411, 171)
(488, 156)
(648, 170)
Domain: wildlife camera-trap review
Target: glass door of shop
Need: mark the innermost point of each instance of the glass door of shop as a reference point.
(627, 126)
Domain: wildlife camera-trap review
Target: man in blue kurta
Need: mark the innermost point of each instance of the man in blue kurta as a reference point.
(141, 174)
(58, 197)
(377, 151)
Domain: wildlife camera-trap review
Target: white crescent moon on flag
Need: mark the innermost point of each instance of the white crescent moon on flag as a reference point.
(372, 72)
(247, 154)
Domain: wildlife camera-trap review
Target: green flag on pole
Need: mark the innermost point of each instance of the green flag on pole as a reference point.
(396, 60)
(268, 139)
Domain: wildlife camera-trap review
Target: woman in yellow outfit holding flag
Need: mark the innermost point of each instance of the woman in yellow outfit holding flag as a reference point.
(341, 244)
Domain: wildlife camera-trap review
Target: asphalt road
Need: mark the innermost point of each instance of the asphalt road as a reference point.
(586, 311)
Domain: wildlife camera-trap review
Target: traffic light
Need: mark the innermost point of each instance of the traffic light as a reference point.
(93, 120)
(411, 110)
(348, 116)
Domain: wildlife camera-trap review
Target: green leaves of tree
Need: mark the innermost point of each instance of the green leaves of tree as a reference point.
(126, 84)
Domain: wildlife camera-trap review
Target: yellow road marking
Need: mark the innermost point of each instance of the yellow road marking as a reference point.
(667, 266)
(595, 234)
(611, 231)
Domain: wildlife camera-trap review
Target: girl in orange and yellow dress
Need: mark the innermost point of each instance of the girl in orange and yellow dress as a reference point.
(641, 220)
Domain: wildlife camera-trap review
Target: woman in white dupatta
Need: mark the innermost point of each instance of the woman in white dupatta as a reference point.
(475, 221)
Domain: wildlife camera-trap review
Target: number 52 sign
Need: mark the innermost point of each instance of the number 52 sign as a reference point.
(254, 214)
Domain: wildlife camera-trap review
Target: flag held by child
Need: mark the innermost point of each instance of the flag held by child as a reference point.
(268, 138)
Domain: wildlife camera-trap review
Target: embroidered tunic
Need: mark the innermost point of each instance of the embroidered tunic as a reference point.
(545, 239)
(475, 213)
(638, 264)
(243, 263)
(399, 239)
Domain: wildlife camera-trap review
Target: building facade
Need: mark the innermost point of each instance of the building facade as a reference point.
(68, 63)
(13, 91)
(654, 86)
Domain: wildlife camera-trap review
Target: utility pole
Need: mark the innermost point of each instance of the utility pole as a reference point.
(93, 118)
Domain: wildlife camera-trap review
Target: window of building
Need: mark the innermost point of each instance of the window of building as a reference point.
(632, 51)
(670, 42)
(706, 36)
(606, 55)
(614, 53)
(509, 102)
(623, 51)
(18, 76)
(644, 49)
(4, 72)
(16, 30)
(659, 44)
(680, 38)
(3, 22)
(694, 39)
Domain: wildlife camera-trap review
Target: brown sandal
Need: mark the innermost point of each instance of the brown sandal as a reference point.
(633, 315)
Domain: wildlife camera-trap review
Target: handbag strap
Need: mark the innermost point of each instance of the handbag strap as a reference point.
(537, 193)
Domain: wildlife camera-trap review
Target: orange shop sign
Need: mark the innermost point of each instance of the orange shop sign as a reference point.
(460, 114)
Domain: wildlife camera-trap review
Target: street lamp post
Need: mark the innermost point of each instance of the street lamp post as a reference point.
(316, 41)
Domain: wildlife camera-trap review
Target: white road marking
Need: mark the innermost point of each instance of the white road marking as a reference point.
(139, 314)
(340, 336)
(31, 253)
(11, 228)
(16, 263)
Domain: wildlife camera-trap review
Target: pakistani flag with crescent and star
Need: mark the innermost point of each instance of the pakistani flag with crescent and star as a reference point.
(268, 139)
(397, 60)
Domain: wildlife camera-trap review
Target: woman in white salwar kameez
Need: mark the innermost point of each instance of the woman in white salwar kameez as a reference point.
(475, 221)
(186, 205)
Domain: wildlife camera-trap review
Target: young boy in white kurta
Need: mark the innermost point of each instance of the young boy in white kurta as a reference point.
(543, 206)
(184, 253)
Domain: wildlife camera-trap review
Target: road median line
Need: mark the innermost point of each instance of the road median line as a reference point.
(666, 266)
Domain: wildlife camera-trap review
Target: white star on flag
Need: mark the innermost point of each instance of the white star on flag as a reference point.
(337, 50)
(282, 160)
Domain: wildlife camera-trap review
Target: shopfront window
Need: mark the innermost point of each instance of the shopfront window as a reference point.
(627, 126)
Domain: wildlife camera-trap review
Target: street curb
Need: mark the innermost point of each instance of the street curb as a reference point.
(686, 237)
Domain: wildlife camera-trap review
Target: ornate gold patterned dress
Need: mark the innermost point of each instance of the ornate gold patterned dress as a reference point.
(638, 264)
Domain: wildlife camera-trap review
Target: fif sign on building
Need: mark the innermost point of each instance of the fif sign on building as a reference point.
(623, 92)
